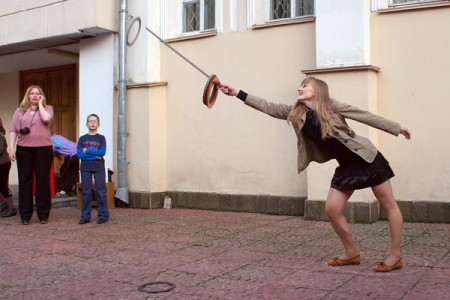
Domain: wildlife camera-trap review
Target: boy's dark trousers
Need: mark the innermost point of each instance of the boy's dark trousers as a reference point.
(87, 194)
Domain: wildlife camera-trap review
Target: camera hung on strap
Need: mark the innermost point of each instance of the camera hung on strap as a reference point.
(24, 130)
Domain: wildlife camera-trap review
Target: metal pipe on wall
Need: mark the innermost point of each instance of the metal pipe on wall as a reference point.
(122, 179)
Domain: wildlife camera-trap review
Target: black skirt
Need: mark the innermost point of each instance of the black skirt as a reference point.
(361, 174)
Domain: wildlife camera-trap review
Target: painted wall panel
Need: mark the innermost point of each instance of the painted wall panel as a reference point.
(97, 88)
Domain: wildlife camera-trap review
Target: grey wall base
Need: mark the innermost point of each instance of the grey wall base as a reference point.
(146, 200)
(356, 212)
(221, 202)
(369, 212)
(423, 211)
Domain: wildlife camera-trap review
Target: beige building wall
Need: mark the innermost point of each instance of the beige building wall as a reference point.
(177, 144)
(411, 48)
(147, 140)
(232, 148)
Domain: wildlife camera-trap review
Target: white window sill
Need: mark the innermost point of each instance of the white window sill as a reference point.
(415, 6)
(284, 22)
(193, 36)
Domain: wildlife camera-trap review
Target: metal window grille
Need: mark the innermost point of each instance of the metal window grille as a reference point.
(199, 15)
(304, 8)
(191, 16)
(284, 9)
(281, 9)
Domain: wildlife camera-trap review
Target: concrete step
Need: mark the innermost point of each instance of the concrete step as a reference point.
(56, 201)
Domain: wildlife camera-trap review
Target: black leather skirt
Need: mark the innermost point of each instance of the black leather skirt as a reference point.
(361, 174)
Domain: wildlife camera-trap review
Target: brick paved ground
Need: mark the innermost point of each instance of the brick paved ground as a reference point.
(212, 255)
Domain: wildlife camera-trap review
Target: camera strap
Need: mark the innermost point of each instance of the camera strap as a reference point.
(32, 118)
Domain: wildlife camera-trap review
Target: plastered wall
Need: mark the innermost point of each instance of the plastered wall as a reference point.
(413, 89)
(232, 148)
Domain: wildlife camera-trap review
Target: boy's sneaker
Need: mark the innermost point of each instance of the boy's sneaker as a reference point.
(83, 221)
(101, 221)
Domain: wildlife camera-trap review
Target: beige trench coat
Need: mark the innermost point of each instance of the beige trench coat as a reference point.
(308, 151)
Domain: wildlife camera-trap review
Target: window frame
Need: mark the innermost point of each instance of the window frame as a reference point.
(411, 2)
(292, 11)
(217, 18)
(387, 6)
(258, 16)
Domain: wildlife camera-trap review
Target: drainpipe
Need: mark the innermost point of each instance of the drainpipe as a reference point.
(122, 188)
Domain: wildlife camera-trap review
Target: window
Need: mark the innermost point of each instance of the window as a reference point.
(198, 15)
(400, 5)
(410, 1)
(284, 9)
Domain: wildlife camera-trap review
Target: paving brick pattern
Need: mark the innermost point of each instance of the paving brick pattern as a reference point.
(212, 255)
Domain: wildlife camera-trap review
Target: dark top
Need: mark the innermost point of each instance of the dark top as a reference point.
(353, 171)
(335, 148)
(95, 146)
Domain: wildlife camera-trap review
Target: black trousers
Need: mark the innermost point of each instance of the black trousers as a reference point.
(69, 173)
(4, 179)
(30, 161)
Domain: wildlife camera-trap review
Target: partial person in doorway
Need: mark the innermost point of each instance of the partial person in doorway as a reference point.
(7, 208)
(66, 149)
(31, 145)
(323, 134)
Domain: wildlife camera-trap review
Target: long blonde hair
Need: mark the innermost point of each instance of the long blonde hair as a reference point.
(25, 104)
(322, 106)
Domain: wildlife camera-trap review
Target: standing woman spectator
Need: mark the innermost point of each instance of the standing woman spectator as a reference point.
(30, 129)
(6, 203)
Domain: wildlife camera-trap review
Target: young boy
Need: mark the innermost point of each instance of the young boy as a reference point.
(91, 148)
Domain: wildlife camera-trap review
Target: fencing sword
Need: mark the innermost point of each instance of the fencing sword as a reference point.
(211, 88)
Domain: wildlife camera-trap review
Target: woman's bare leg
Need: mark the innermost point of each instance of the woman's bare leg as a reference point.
(334, 208)
(385, 196)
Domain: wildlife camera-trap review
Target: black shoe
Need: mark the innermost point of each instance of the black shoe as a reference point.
(9, 213)
(44, 221)
(3, 207)
(101, 221)
(24, 222)
(83, 221)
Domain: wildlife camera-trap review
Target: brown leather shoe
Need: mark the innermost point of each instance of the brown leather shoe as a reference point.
(382, 267)
(335, 262)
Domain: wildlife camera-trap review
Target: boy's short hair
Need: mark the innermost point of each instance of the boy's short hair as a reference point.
(93, 115)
